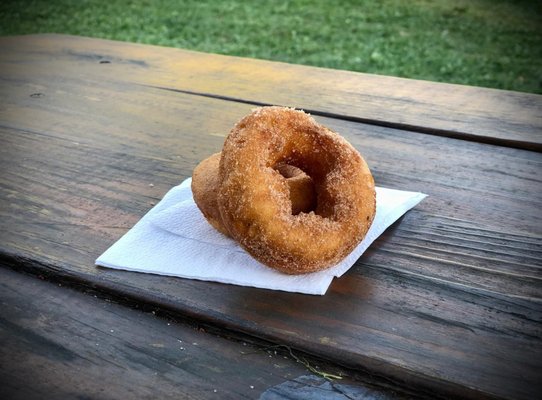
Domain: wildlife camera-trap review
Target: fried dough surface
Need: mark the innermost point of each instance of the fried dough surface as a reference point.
(254, 199)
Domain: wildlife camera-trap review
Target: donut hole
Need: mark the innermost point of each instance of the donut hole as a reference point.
(302, 192)
(289, 171)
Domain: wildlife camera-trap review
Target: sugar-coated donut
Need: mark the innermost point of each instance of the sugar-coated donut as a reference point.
(254, 201)
(205, 186)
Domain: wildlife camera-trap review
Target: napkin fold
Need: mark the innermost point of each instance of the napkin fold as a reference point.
(174, 239)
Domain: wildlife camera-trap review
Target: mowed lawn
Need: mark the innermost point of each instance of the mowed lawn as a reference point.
(491, 43)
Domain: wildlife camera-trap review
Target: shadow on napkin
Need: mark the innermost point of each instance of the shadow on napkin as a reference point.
(174, 239)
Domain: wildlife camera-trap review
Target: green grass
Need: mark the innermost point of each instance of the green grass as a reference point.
(491, 43)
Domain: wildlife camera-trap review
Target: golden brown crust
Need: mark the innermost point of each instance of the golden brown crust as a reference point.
(253, 199)
(206, 183)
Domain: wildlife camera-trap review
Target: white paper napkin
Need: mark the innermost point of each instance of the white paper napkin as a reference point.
(174, 239)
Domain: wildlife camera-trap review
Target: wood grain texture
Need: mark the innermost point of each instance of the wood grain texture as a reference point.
(449, 299)
(487, 115)
(58, 343)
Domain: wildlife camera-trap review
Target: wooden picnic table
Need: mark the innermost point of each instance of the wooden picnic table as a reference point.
(447, 303)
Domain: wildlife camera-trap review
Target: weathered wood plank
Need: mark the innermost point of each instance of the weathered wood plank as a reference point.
(488, 115)
(449, 298)
(165, 144)
(58, 343)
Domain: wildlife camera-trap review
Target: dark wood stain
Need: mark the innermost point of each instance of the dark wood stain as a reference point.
(448, 300)
(488, 115)
(58, 343)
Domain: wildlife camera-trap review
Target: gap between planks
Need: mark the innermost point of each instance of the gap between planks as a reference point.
(517, 144)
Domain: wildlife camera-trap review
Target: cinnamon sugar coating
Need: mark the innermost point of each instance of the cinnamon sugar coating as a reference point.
(254, 201)
(206, 183)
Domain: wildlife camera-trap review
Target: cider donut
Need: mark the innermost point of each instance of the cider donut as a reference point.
(253, 199)
(205, 186)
